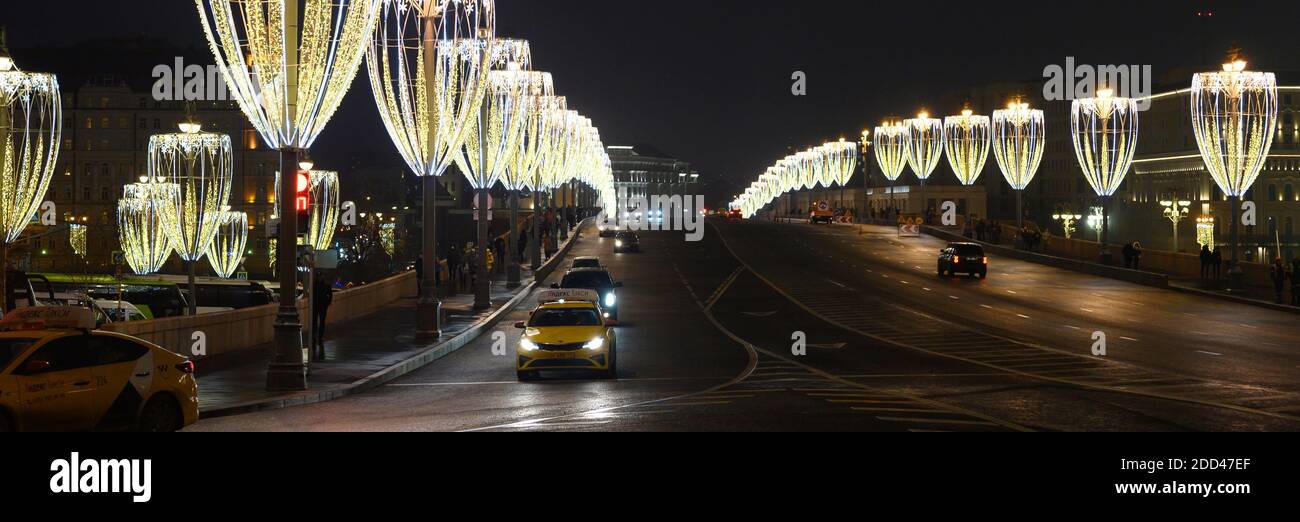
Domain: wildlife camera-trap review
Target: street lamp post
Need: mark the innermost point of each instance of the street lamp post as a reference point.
(1234, 115)
(426, 95)
(864, 148)
(31, 123)
(925, 148)
(1068, 222)
(1176, 211)
(1105, 135)
(289, 86)
(1018, 146)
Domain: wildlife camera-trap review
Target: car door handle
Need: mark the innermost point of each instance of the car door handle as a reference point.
(81, 384)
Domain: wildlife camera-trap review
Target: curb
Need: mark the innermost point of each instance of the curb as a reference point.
(1235, 299)
(412, 364)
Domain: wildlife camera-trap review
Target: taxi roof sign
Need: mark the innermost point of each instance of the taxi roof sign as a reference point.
(48, 317)
(576, 295)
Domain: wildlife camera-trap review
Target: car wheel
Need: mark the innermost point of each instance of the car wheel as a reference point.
(160, 415)
(529, 376)
(612, 372)
(984, 275)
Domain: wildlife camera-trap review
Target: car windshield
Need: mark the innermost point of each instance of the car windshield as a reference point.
(565, 317)
(968, 250)
(589, 280)
(11, 348)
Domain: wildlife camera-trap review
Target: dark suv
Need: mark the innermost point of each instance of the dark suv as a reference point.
(597, 279)
(963, 258)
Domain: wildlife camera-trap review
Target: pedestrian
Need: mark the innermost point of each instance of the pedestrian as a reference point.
(521, 246)
(454, 258)
(1278, 273)
(1216, 263)
(1295, 282)
(1137, 255)
(1128, 255)
(322, 296)
(1207, 257)
(419, 274)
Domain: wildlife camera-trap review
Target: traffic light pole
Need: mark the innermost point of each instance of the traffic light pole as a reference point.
(288, 370)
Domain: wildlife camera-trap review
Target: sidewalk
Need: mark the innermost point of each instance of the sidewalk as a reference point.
(360, 354)
(1255, 295)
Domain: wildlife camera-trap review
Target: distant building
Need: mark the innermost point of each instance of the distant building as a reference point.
(641, 171)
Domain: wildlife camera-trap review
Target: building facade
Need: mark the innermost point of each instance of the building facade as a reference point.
(641, 171)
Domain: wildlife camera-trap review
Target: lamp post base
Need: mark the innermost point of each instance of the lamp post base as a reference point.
(428, 319)
(514, 276)
(288, 372)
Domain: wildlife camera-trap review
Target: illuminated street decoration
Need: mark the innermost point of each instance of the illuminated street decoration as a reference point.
(892, 143)
(924, 149)
(289, 63)
(201, 165)
(1019, 142)
(1105, 136)
(77, 239)
(142, 225)
(967, 143)
(1234, 115)
(843, 161)
(226, 252)
(428, 65)
(325, 204)
(388, 238)
(1205, 232)
(31, 127)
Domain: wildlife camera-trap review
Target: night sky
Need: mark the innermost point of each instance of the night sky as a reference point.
(709, 81)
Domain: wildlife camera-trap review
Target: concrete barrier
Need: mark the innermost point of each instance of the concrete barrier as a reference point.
(249, 328)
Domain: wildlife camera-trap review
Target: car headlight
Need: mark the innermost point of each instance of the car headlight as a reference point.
(610, 300)
(595, 344)
(618, 244)
(527, 345)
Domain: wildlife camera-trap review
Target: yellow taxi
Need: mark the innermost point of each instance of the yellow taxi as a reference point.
(58, 374)
(567, 331)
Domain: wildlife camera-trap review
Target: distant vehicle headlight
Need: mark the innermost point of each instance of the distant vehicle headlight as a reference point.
(527, 345)
(611, 300)
(618, 244)
(595, 344)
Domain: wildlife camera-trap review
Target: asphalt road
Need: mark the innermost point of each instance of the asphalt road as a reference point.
(709, 330)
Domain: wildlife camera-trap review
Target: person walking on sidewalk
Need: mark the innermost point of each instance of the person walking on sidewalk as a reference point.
(1278, 274)
(1217, 264)
(1207, 257)
(1295, 282)
(322, 296)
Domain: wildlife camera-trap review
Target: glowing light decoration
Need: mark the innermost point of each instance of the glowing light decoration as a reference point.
(77, 239)
(1105, 135)
(388, 238)
(497, 130)
(1205, 232)
(31, 130)
(325, 204)
(966, 138)
(1018, 145)
(428, 65)
(142, 225)
(530, 151)
(201, 165)
(289, 62)
(226, 252)
(925, 144)
(892, 143)
(1234, 115)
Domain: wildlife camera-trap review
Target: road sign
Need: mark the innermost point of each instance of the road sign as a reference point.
(909, 225)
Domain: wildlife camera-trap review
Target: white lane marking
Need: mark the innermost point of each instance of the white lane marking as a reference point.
(954, 298)
(1249, 326)
(1012, 292)
(986, 307)
(1130, 339)
(1022, 316)
(926, 289)
(1073, 327)
(1089, 310)
(1211, 354)
(510, 383)
(837, 284)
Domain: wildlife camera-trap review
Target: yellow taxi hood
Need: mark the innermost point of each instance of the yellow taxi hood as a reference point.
(564, 334)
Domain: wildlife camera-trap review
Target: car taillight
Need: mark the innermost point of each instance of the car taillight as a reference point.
(186, 367)
(986, 260)
(956, 259)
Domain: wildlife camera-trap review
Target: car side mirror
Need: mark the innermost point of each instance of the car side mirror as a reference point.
(610, 323)
(521, 325)
(34, 367)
